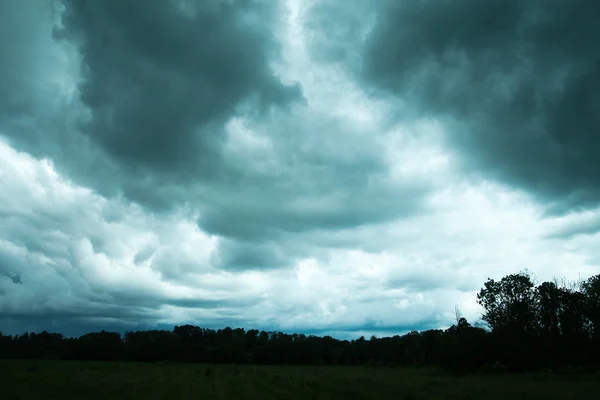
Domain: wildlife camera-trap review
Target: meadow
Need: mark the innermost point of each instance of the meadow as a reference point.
(49, 379)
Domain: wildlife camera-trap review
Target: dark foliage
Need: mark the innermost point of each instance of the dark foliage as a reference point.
(531, 327)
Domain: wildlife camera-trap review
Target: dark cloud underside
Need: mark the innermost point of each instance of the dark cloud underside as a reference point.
(160, 77)
(518, 81)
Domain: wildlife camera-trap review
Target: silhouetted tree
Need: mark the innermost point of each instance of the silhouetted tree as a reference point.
(591, 291)
(509, 304)
(100, 346)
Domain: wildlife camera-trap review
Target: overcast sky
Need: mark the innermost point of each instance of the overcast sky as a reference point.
(320, 166)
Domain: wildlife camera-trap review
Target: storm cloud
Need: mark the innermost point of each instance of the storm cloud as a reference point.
(516, 82)
(160, 77)
(347, 168)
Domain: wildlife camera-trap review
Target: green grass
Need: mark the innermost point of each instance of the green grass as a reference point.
(32, 379)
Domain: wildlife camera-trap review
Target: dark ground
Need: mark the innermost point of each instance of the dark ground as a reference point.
(33, 379)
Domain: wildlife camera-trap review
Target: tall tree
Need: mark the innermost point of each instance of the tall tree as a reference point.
(509, 304)
(548, 299)
(591, 291)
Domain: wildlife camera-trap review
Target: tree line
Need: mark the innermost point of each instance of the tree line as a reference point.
(527, 327)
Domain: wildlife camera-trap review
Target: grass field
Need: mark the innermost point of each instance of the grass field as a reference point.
(31, 379)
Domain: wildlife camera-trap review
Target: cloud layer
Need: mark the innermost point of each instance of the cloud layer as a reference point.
(345, 168)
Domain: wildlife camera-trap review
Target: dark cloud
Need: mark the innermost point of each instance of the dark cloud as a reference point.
(580, 224)
(20, 43)
(8, 269)
(327, 175)
(153, 301)
(425, 280)
(418, 283)
(16, 279)
(161, 78)
(130, 98)
(352, 209)
(39, 109)
(517, 82)
(22, 77)
(243, 255)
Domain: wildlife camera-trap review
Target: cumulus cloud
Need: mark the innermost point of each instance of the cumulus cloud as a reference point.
(89, 262)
